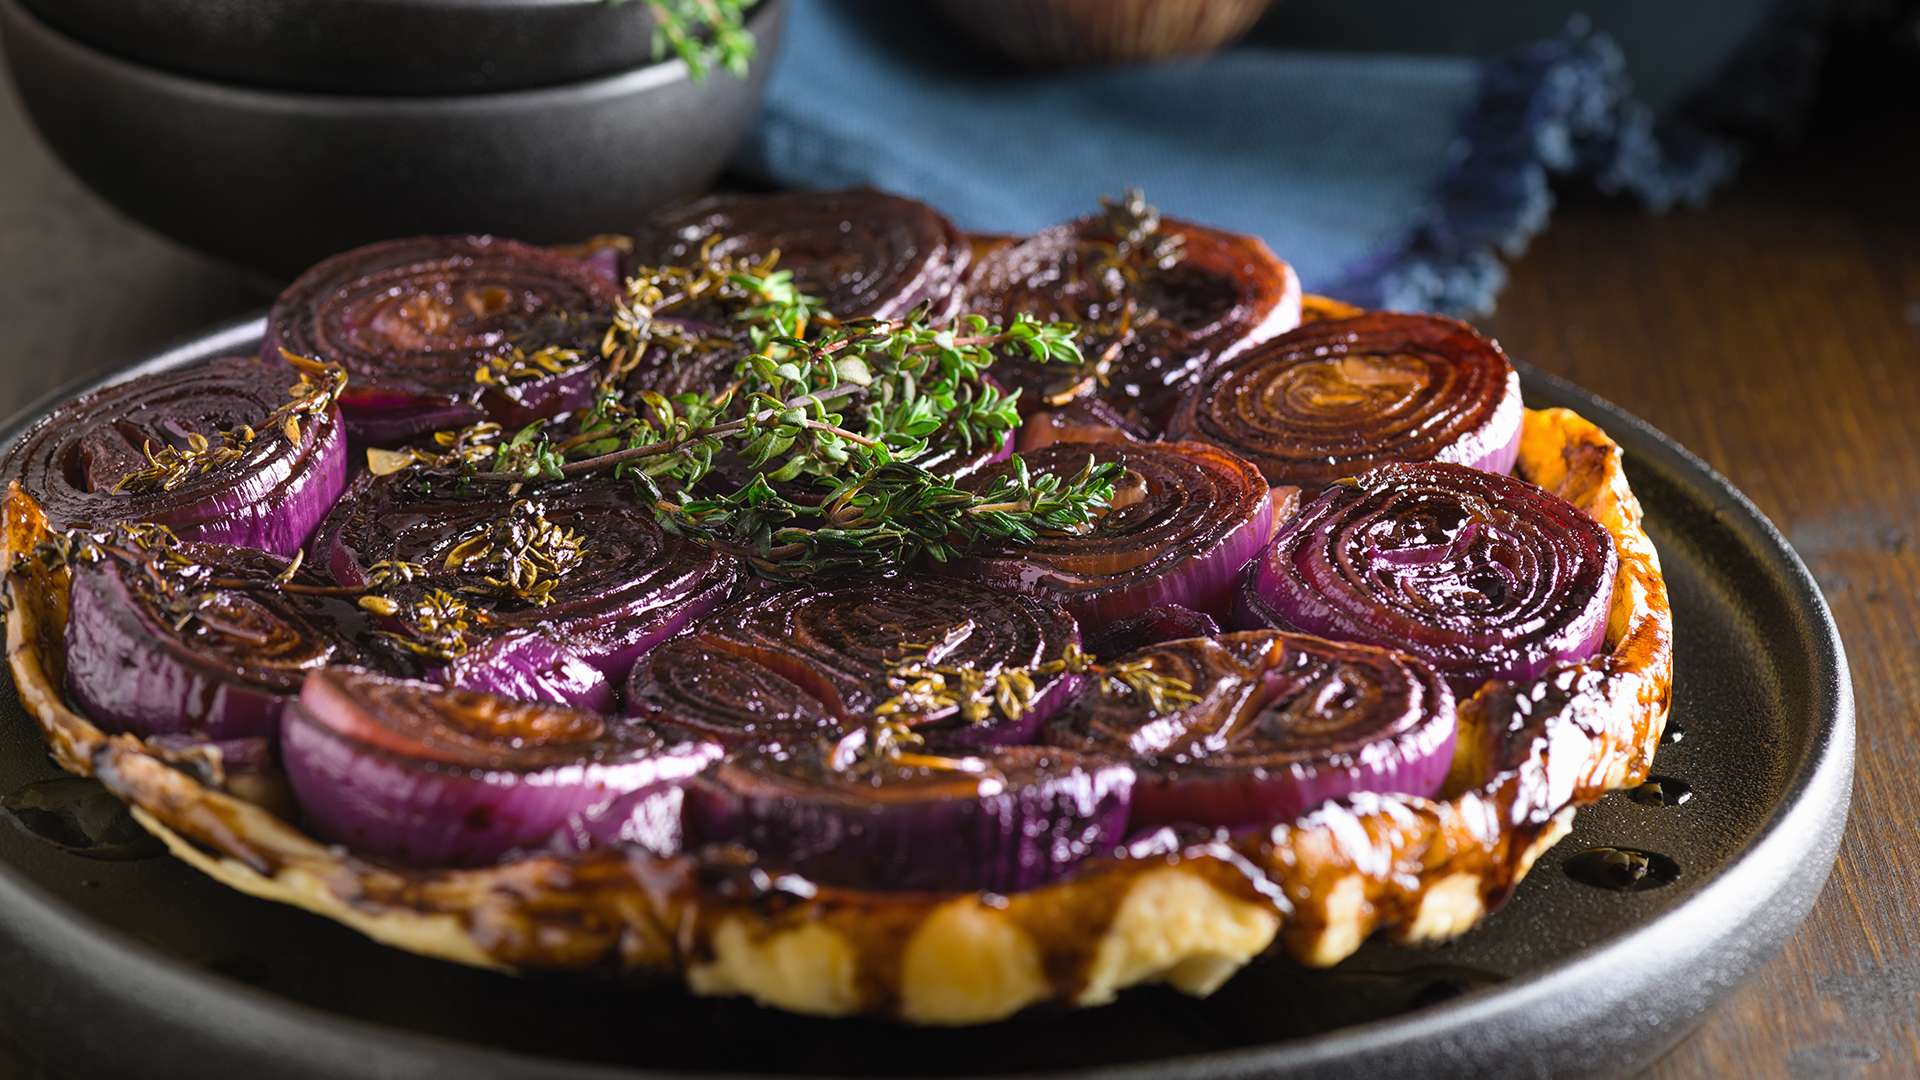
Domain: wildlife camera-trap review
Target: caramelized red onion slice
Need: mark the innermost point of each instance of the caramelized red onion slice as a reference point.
(269, 497)
(1228, 291)
(413, 320)
(712, 688)
(839, 641)
(1338, 396)
(1482, 576)
(1185, 519)
(429, 776)
(631, 586)
(1162, 622)
(137, 661)
(997, 821)
(864, 253)
(1283, 723)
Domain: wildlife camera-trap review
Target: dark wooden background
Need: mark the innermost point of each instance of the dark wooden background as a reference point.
(1776, 333)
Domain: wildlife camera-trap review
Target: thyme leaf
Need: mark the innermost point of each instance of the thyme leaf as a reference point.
(703, 33)
(925, 685)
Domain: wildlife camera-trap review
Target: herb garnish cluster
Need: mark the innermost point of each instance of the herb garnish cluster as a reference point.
(822, 450)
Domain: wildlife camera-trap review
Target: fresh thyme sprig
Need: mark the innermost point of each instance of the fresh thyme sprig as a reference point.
(745, 290)
(916, 383)
(821, 431)
(703, 33)
(827, 428)
(1132, 242)
(888, 516)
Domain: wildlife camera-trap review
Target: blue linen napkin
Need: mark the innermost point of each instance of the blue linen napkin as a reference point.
(1387, 180)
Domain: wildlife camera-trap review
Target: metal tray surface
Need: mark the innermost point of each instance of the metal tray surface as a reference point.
(147, 968)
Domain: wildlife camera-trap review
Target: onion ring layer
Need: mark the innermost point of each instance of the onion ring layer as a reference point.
(1185, 518)
(1481, 575)
(613, 587)
(712, 687)
(1145, 335)
(841, 641)
(1337, 396)
(999, 821)
(430, 776)
(166, 643)
(1283, 723)
(863, 253)
(414, 322)
(91, 463)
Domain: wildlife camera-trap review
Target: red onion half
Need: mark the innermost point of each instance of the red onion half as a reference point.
(840, 642)
(1338, 396)
(1145, 334)
(91, 463)
(997, 821)
(1283, 723)
(413, 321)
(1481, 575)
(167, 642)
(1185, 519)
(625, 587)
(863, 253)
(429, 776)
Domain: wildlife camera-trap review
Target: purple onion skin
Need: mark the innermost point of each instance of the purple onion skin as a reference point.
(542, 666)
(1482, 576)
(283, 521)
(270, 498)
(1283, 723)
(1185, 519)
(650, 820)
(426, 776)
(131, 671)
(532, 666)
(412, 320)
(243, 754)
(1026, 817)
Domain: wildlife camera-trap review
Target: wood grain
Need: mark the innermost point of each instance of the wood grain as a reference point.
(1776, 333)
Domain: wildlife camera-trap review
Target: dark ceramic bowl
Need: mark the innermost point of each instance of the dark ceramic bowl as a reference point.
(367, 46)
(279, 180)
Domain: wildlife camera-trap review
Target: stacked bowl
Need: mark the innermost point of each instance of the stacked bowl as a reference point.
(276, 132)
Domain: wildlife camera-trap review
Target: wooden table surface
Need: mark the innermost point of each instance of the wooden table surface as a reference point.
(1776, 333)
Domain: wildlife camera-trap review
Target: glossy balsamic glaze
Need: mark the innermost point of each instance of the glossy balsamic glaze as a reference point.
(78, 815)
(1622, 869)
(1662, 791)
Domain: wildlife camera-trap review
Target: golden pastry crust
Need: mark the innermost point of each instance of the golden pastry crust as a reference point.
(1420, 870)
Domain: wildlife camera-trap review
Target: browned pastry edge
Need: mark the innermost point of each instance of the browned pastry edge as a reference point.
(1420, 870)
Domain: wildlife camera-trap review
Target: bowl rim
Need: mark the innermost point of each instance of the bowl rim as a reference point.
(16, 18)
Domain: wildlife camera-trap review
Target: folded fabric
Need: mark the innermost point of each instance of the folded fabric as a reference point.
(1388, 180)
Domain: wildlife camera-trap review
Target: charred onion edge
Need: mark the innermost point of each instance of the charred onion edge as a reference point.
(1421, 870)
